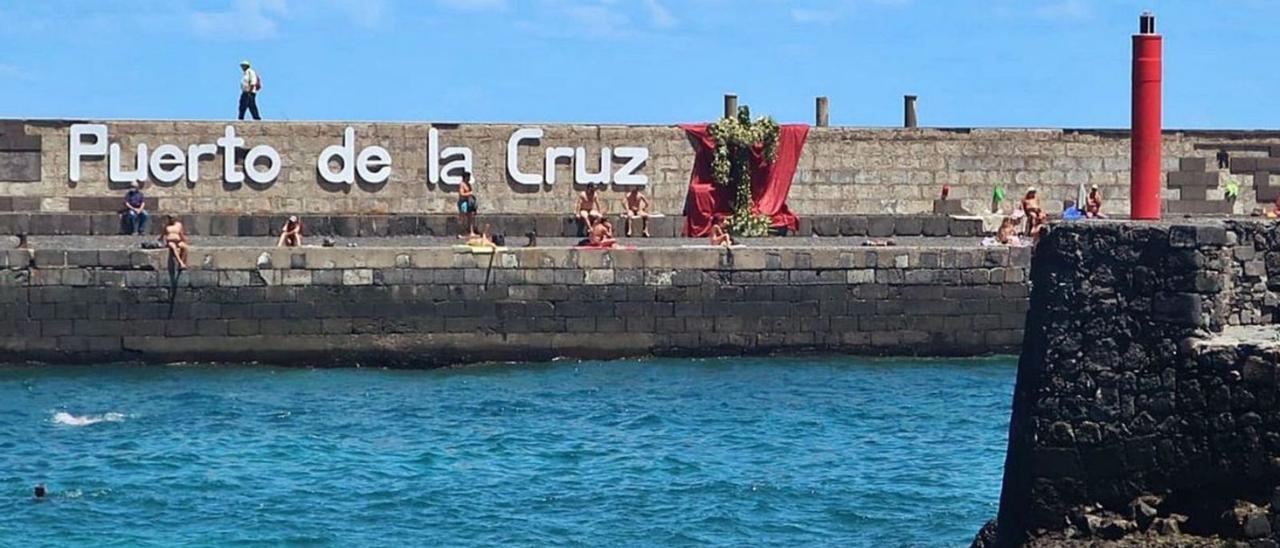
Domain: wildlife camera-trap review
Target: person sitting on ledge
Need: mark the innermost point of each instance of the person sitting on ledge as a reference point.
(135, 211)
(1007, 234)
(600, 235)
(467, 205)
(637, 207)
(1070, 212)
(590, 207)
(1275, 209)
(1035, 214)
(1093, 204)
(175, 238)
(291, 233)
(720, 236)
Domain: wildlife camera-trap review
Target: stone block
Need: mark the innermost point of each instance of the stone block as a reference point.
(853, 225)
(1179, 308)
(935, 226)
(804, 226)
(316, 226)
(965, 227)
(373, 226)
(1195, 207)
(20, 166)
(108, 224)
(15, 223)
(78, 277)
(912, 225)
(826, 225)
(403, 225)
(196, 225)
(1192, 164)
(76, 225)
(224, 225)
(253, 225)
(881, 226)
(357, 276)
(1211, 235)
(326, 277)
(346, 226)
(233, 278)
(45, 224)
(687, 278)
(598, 277)
(295, 277)
(948, 207)
(82, 258)
(50, 258)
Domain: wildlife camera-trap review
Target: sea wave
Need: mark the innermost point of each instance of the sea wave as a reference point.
(67, 419)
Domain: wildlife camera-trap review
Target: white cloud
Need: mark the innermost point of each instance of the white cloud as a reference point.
(474, 5)
(817, 12)
(599, 20)
(662, 17)
(1065, 9)
(366, 13)
(801, 15)
(14, 72)
(245, 20)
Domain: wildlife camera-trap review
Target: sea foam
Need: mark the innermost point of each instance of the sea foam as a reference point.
(65, 418)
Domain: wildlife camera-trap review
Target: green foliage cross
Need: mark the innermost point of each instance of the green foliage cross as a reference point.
(735, 137)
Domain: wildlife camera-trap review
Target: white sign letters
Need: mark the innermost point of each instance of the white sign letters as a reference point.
(373, 164)
(343, 163)
(168, 163)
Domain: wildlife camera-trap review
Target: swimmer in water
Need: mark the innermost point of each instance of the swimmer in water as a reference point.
(40, 492)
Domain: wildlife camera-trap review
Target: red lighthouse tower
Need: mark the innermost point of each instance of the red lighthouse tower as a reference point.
(1144, 156)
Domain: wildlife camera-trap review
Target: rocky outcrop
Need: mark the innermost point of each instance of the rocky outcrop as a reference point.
(1145, 411)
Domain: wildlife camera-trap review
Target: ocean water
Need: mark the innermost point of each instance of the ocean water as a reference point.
(726, 452)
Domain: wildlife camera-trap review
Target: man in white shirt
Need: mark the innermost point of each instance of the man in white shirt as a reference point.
(249, 87)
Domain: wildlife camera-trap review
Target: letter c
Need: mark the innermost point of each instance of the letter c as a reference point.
(513, 155)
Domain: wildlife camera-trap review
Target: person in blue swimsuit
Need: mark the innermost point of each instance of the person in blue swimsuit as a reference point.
(467, 205)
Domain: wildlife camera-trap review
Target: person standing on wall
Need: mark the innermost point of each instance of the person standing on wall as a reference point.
(467, 205)
(250, 85)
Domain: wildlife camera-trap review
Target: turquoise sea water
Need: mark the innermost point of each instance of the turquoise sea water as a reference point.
(737, 452)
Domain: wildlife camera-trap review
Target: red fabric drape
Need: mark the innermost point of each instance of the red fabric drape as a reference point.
(769, 184)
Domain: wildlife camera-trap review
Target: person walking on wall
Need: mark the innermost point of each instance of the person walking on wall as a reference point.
(250, 85)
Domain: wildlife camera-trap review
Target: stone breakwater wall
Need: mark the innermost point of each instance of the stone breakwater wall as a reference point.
(425, 307)
(841, 171)
(1147, 399)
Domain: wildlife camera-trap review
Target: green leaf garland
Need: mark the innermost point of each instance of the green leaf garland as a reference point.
(734, 140)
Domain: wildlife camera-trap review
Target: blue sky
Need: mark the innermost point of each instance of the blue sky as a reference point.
(1021, 63)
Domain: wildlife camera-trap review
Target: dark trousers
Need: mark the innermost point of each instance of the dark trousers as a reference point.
(135, 222)
(249, 102)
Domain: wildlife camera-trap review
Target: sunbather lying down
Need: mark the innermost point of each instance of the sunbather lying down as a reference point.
(879, 243)
(485, 239)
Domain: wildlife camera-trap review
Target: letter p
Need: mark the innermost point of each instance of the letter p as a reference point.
(80, 149)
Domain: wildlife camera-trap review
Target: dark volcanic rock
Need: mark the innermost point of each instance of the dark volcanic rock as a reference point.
(1146, 408)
